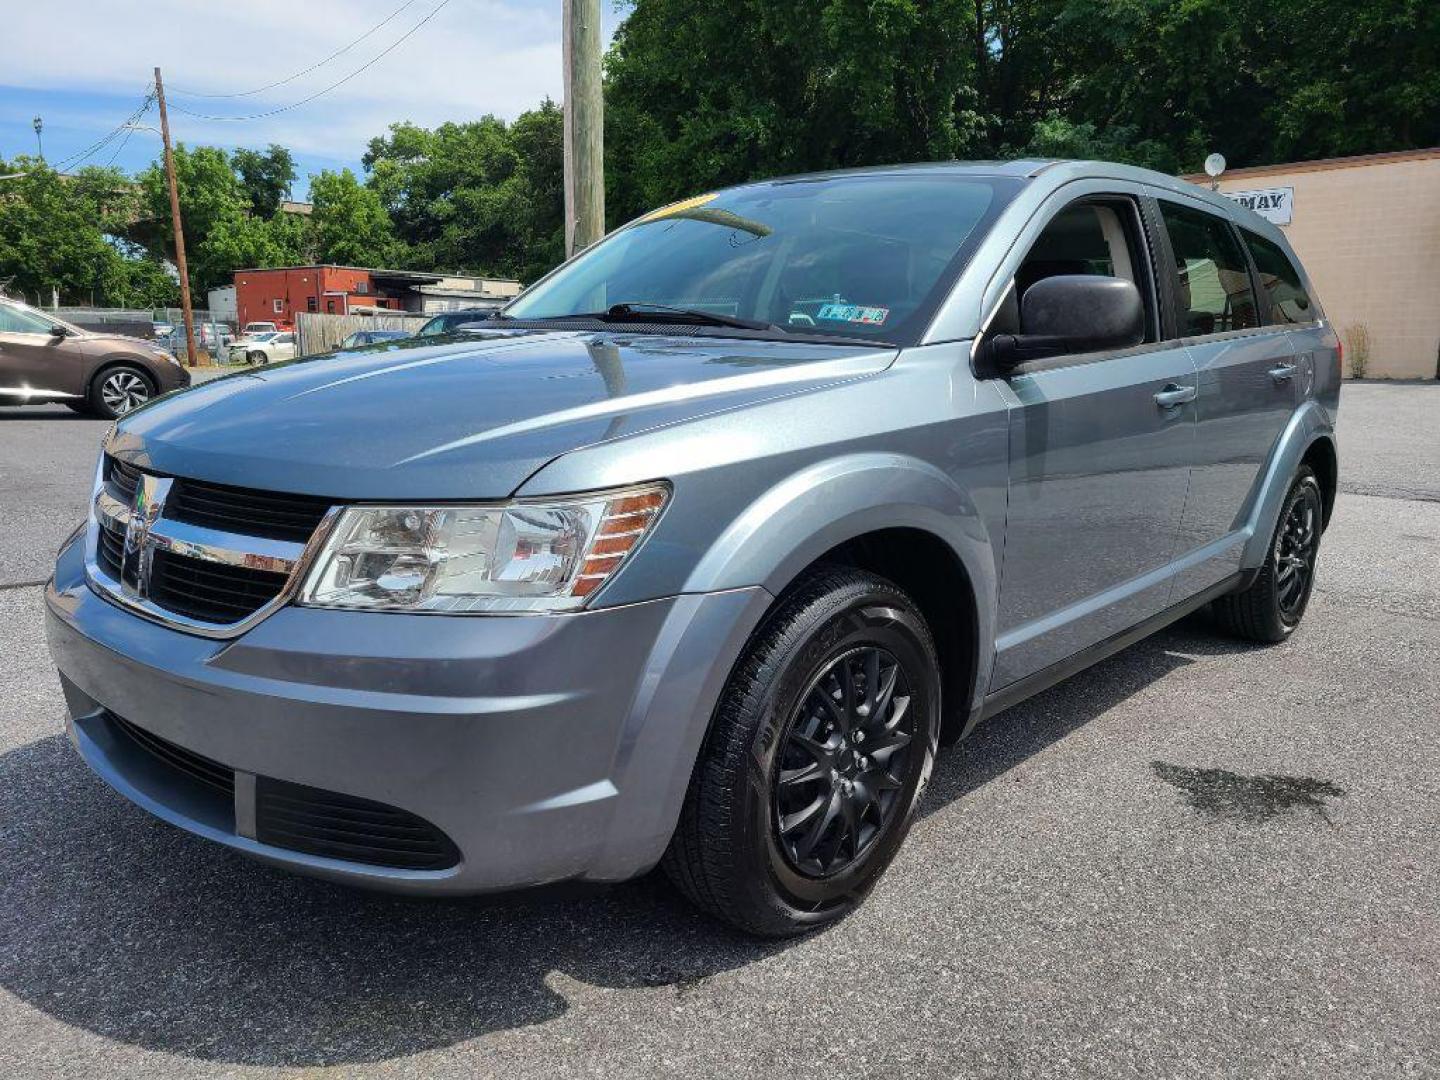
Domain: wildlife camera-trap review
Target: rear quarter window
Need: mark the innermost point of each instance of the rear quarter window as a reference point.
(1284, 291)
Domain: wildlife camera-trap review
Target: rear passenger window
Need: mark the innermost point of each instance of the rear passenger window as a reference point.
(1215, 293)
(1285, 295)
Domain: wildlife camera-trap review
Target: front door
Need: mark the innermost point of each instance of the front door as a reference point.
(27, 354)
(1100, 452)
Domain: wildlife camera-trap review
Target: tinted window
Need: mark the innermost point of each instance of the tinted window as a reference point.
(19, 321)
(1215, 294)
(1286, 297)
(1099, 238)
(867, 255)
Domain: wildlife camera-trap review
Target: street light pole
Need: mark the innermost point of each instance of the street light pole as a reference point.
(584, 127)
(175, 223)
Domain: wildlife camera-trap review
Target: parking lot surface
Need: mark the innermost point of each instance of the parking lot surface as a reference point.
(1200, 858)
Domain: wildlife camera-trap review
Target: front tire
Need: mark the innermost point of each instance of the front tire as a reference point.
(255, 358)
(1272, 606)
(819, 750)
(118, 390)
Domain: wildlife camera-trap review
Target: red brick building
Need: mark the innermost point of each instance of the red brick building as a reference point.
(278, 295)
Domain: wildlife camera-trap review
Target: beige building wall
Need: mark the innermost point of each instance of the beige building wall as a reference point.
(1368, 231)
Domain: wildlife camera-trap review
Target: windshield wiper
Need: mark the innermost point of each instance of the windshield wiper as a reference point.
(644, 311)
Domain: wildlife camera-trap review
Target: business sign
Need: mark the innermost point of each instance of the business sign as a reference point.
(1273, 204)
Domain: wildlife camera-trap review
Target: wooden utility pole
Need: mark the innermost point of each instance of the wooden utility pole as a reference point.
(175, 223)
(584, 127)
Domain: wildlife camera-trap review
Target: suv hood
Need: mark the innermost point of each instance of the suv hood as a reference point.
(461, 420)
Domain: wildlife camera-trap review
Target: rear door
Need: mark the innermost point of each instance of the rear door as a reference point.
(1100, 449)
(1248, 386)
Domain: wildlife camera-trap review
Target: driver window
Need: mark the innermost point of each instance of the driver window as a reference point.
(20, 321)
(1099, 237)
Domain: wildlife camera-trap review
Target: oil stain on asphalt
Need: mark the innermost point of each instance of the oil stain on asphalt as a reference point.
(1223, 794)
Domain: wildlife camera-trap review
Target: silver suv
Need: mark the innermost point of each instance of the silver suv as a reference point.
(702, 554)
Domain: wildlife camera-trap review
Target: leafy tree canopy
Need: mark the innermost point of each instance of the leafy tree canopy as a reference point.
(60, 236)
(266, 177)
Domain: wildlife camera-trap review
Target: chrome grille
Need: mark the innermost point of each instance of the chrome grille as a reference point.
(207, 558)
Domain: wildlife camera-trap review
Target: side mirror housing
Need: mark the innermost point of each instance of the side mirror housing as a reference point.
(58, 331)
(1070, 314)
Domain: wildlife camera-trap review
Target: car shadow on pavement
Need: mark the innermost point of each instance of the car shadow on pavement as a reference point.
(123, 926)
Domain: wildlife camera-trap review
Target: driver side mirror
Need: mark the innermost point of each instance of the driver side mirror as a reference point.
(58, 331)
(1069, 314)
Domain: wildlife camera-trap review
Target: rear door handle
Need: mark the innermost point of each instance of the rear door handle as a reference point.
(1282, 372)
(1174, 395)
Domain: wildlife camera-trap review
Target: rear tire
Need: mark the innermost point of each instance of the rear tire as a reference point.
(832, 711)
(1272, 606)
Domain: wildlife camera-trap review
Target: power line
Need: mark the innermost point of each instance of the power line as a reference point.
(129, 131)
(106, 139)
(320, 93)
(291, 78)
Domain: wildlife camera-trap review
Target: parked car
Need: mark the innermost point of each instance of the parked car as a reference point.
(265, 347)
(774, 492)
(371, 337)
(214, 338)
(447, 322)
(259, 328)
(44, 360)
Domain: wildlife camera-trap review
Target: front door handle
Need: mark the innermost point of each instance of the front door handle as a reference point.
(1282, 372)
(1174, 395)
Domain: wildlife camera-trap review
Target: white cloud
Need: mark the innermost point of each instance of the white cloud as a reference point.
(474, 57)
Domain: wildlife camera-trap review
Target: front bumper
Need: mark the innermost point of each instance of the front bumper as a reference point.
(546, 747)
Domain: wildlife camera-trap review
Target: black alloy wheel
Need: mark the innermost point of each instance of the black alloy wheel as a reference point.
(1296, 547)
(817, 755)
(1271, 607)
(844, 751)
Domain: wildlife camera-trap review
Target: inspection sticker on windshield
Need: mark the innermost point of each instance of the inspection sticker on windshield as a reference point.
(853, 313)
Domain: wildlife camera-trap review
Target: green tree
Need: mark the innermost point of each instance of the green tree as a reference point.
(212, 204)
(267, 177)
(538, 191)
(700, 96)
(58, 235)
(349, 225)
(223, 230)
(481, 197)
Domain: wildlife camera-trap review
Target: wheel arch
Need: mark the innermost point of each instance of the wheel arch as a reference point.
(1321, 457)
(1309, 439)
(890, 514)
(930, 572)
(110, 363)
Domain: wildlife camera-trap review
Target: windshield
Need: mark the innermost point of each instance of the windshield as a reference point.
(867, 255)
(263, 336)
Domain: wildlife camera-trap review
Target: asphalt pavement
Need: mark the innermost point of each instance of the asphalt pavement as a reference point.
(1199, 858)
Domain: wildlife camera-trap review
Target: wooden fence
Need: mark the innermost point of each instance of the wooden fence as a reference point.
(317, 333)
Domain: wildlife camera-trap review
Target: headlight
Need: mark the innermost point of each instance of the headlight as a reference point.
(545, 555)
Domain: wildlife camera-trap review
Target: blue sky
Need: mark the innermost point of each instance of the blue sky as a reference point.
(84, 66)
